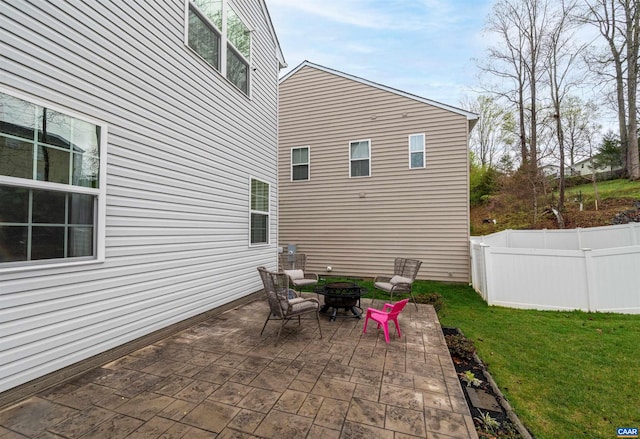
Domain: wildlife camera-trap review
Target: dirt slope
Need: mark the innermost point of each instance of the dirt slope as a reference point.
(588, 217)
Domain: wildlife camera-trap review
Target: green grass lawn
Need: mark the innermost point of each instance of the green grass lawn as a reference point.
(620, 188)
(566, 374)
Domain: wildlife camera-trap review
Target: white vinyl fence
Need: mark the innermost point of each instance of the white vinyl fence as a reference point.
(595, 269)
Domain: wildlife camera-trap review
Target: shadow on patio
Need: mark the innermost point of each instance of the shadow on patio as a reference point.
(221, 379)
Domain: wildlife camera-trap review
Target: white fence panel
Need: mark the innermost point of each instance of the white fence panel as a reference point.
(610, 236)
(555, 239)
(500, 239)
(478, 271)
(616, 280)
(538, 279)
(562, 239)
(592, 269)
(526, 239)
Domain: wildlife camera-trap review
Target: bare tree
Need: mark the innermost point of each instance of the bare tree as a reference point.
(632, 18)
(487, 141)
(618, 24)
(506, 63)
(520, 26)
(533, 25)
(590, 136)
(561, 57)
(578, 122)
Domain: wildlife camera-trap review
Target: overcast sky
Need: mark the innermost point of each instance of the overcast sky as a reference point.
(424, 47)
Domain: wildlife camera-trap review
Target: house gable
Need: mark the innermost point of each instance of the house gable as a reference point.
(472, 117)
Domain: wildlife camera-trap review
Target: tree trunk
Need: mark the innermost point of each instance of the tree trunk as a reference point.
(622, 117)
(632, 17)
(595, 189)
(561, 148)
(533, 134)
(603, 14)
(523, 132)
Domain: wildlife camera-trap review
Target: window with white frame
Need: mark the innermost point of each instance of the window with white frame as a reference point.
(300, 163)
(49, 183)
(216, 32)
(360, 158)
(238, 51)
(259, 223)
(416, 151)
(204, 34)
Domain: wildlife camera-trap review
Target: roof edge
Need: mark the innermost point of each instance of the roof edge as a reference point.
(471, 117)
(274, 36)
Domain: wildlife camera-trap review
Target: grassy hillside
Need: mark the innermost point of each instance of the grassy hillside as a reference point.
(607, 190)
(616, 196)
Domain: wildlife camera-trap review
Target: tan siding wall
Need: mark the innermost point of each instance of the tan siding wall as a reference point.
(418, 213)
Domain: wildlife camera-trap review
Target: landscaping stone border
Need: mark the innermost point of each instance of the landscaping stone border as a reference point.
(502, 401)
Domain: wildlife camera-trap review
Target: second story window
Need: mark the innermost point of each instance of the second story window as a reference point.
(238, 51)
(416, 151)
(205, 24)
(216, 32)
(360, 158)
(300, 163)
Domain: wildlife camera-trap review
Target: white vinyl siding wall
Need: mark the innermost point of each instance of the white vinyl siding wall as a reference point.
(178, 147)
(359, 225)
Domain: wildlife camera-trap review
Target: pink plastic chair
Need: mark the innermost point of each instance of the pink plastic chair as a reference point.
(383, 317)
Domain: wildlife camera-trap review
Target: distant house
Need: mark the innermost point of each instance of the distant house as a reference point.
(586, 167)
(138, 146)
(367, 173)
(552, 171)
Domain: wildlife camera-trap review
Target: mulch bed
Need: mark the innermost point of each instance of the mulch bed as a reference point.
(483, 400)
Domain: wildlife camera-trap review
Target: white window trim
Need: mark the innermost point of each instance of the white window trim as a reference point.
(260, 244)
(350, 159)
(101, 192)
(308, 162)
(424, 150)
(222, 72)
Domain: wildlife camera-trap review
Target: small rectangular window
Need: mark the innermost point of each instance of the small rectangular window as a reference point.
(360, 158)
(300, 163)
(259, 211)
(416, 151)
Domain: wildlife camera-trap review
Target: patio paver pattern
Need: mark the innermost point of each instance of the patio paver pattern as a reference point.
(221, 379)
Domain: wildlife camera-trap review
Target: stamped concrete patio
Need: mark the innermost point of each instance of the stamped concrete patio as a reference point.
(221, 379)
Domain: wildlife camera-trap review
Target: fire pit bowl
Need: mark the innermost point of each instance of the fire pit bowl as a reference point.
(341, 295)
